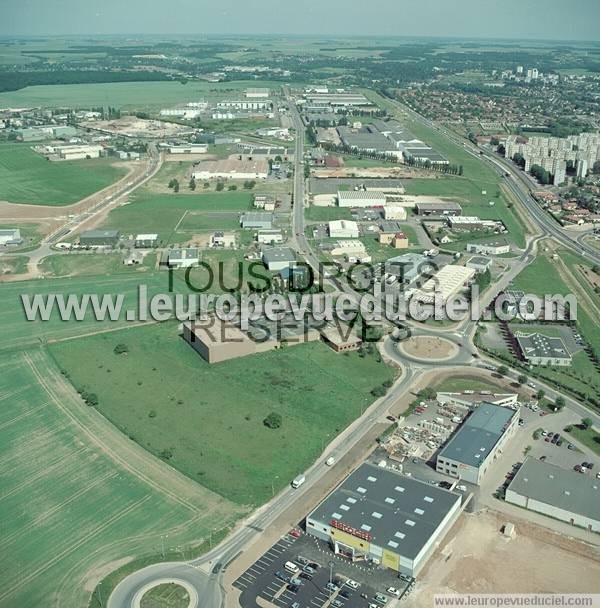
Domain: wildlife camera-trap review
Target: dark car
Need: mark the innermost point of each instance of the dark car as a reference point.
(293, 588)
(345, 593)
(590, 465)
(306, 576)
(314, 565)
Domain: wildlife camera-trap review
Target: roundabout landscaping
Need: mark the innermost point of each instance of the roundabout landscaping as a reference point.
(428, 349)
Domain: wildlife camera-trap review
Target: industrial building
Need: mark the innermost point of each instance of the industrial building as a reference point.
(257, 93)
(360, 198)
(189, 149)
(269, 237)
(479, 263)
(343, 229)
(470, 222)
(278, 258)
(380, 516)
(393, 211)
(10, 236)
(538, 349)
(493, 247)
(468, 399)
(556, 492)
(352, 248)
(99, 238)
(146, 241)
(447, 282)
(222, 239)
(441, 208)
(257, 219)
(78, 152)
(408, 267)
(232, 169)
(183, 258)
(476, 443)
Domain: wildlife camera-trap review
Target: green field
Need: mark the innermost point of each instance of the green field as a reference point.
(540, 278)
(464, 383)
(327, 214)
(588, 437)
(125, 94)
(77, 264)
(207, 419)
(27, 177)
(18, 332)
(167, 214)
(77, 495)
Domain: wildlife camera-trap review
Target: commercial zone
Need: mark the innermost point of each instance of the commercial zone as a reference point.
(477, 442)
(381, 516)
(565, 495)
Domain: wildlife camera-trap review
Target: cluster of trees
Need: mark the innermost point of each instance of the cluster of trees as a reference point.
(451, 169)
(13, 81)
(273, 421)
(174, 185)
(540, 174)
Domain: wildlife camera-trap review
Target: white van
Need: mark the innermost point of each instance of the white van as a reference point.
(292, 567)
(298, 481)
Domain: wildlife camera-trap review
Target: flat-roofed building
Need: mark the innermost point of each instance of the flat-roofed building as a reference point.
(10, 236)
(231, 168)
(400, 241)
(408, 267)
(189, 149)
(476, 443)
(79, 152)
(278, 258)
(352, 247)
(360, 198)
(269, 237)
(479, 263)
(491, 247)
(380, 515)
(471, 222)
(222, 239)
(447, 282)
(343, 229)
(538, 349)
(470, 398)
(441, 208)
(340, 338)
(218, 341)
(99, 238)
(146, 241)
(257, 93)
(556, 492)
(183, 257)
(257, 219)
(393, 211)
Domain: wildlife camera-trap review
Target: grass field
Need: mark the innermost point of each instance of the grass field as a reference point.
(17, 332)
(125, 94)
(327, 214)
(587, 437)
(26, 177)
(543, 277)
(167, 595)
(167, 214)
(464, 383)
(78, 264)
(207, 419)
(77, 495)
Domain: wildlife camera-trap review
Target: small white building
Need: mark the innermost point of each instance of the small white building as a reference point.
(221, 239)
(494, 247)
(189, 149)
(146, 241)
(392, 211)
(269, 237)
(343, 229)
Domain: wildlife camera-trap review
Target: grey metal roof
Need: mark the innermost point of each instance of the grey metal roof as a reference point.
(449, 205)
(183, 254)
(400, 513)
(477, 436)
(278, 254)
(257, 216)
(558, 487)
(102, 234)
(539, 345)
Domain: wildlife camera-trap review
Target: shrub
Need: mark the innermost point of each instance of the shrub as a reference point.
(121, 349)
(273, 421)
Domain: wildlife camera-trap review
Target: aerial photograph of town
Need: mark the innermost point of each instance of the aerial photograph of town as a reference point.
(299, 304)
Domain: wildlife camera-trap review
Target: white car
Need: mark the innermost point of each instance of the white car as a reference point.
(393, 591)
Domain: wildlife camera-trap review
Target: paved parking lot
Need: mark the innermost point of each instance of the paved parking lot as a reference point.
(261, 581)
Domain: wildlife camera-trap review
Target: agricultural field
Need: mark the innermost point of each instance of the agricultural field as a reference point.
(77, 495)
(127, 95)
(18, 332)
(178, 217)
(28, 178)
(162, 379)
(12, 265)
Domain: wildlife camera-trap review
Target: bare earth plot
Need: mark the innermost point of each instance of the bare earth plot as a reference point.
(77, 494)
(480, 560)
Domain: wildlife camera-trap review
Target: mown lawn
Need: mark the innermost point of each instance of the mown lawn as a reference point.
(27, 177)
(207, 420)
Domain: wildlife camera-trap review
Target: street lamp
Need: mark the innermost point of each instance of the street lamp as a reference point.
(162, 544)
(331, 564)
(100, 594)
(273, 486)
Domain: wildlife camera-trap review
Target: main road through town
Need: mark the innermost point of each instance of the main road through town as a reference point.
(204, 574)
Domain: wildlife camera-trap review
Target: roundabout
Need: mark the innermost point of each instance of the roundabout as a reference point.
(428, 349)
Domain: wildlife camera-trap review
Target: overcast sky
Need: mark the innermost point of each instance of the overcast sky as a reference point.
(544, 19)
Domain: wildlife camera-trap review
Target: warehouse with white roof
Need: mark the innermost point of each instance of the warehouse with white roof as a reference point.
(379, 515)
(447, 283)
(360, 198)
